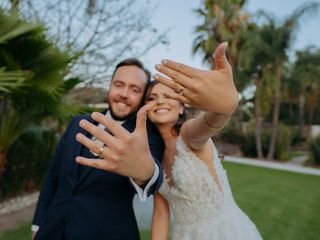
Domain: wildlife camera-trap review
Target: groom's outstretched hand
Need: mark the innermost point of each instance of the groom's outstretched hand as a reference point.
(124, 153)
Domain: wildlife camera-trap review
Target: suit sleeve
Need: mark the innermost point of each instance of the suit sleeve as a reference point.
(156, 146)
(51, 181)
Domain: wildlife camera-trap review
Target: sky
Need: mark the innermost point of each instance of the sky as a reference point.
(178, 16)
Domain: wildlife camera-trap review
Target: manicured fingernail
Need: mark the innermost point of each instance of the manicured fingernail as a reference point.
(158, 66)
(94, 115)
(82, 123)
(156, 76)
(164, 61)
(79, 136)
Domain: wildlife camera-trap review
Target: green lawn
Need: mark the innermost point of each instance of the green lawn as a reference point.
(283, 205)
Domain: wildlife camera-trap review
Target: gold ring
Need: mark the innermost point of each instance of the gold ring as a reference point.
(100, 152)
(179, 91)
(175, 76)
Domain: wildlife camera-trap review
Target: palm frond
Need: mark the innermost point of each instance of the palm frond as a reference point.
(11, 79)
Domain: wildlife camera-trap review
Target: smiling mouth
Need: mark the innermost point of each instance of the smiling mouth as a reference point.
(162, 110)
(122, 104)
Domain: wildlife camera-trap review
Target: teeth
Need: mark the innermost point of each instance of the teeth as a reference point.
(122, 104)
(162, 111)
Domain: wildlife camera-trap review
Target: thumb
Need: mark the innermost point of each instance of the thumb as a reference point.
(142, 119)
(220, 58)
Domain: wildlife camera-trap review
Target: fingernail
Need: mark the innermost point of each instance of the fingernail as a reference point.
(78, 159)
(82, 123)
(164, 61)
(78, 136)
(94, 115)
(156, 76)
(158, 66)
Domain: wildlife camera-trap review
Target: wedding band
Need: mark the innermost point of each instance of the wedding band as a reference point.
(179, 91)
(174, 76)
(100, 152)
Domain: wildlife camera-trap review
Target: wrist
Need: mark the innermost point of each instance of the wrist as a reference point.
(215, 121)
(147, 175)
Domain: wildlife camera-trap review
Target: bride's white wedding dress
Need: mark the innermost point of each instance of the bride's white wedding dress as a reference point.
(201, 211)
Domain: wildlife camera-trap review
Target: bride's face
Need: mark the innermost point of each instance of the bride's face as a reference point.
(164, 110)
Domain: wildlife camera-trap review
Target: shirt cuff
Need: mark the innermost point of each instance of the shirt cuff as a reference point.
(35, 228)
(143, 193)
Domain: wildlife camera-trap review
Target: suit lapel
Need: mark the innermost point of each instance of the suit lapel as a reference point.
(83, 171)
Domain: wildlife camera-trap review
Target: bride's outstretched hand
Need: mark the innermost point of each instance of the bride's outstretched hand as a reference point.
(208, 90)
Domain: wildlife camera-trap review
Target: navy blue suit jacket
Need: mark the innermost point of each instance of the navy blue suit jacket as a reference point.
(95, 204)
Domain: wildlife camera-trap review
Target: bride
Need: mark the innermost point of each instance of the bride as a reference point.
(195, 186)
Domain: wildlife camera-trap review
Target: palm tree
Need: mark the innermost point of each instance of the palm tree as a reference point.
(280, 39)
(223, 21)
(32, 80)
(306, 77)
(264, 52)
(254, 58)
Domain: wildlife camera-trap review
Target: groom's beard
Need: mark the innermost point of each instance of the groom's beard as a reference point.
(120, 118)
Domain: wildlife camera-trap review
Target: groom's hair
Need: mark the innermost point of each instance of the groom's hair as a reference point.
(133, 62)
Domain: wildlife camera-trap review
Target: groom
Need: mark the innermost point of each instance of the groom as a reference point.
(81, 203)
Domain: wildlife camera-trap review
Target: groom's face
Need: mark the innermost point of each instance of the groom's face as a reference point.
(126, 91)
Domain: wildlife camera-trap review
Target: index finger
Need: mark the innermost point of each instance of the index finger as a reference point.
(186, 70)
(111, 125)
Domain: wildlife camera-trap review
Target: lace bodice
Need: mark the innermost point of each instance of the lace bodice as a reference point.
(198, 205)
(194, 187)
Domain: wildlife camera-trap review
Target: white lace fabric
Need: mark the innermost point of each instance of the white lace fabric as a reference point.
(201, 210)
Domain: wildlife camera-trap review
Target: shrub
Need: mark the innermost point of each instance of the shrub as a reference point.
(284, 141)
(231, 134)
(315, 149)
(28, 160)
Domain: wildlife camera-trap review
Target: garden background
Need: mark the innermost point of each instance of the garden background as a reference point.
(55, 62)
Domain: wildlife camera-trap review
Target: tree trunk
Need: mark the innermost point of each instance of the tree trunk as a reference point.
(258, 120)
(238, 116)
(301, 115)
(2, 161)
(311, 115)
(276, 110)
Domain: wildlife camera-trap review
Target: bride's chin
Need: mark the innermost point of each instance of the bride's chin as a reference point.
(165, 125)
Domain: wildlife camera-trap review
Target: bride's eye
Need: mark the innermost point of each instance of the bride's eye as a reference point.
(150, 99)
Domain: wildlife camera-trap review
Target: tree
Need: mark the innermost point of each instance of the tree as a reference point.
(32, 80)
(223, 21)
(102, 32)
(280, 39)
(305, 77)
(265, 52)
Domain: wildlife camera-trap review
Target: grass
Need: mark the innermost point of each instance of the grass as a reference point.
(283, 205)
(23, 232)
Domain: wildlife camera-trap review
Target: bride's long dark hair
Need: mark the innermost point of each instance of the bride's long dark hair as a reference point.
(182, 116)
